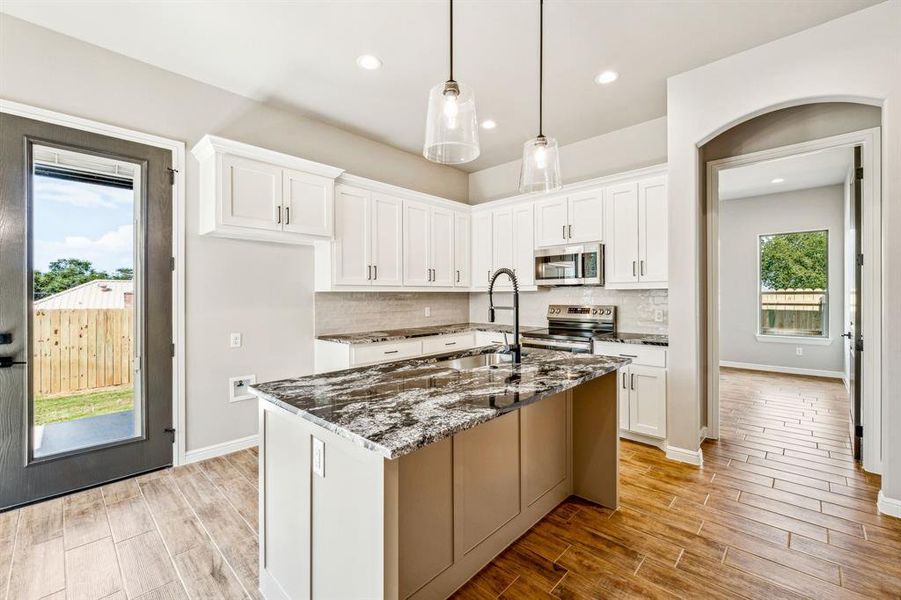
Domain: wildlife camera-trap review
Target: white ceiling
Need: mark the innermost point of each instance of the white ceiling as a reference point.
(301, 54)
(801, 172)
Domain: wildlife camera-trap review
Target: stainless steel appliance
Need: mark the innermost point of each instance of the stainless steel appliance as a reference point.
(572, 327)
(575, 264)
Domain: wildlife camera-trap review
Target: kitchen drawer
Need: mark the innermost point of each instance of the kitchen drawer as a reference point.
(375, 353)
(492, 338)
(651, 356)
(448, 343)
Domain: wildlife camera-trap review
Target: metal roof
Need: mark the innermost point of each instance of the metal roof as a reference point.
(100, 293)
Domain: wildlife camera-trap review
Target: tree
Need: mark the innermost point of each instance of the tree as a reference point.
(794, 260)
(65, 273)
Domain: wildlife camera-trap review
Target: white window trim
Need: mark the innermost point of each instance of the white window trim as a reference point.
(798, 340)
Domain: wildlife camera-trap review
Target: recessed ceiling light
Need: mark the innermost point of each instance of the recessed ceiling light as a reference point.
(605, 77)
(369, 62)
(778, 180)
(488, 124)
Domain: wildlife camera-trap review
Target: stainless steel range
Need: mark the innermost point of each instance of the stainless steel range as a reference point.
(572, 327)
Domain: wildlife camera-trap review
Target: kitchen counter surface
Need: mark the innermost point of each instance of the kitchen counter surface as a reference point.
(621, 337)
(393, 335)
(396, 408)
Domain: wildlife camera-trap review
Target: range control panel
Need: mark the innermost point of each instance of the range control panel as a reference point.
(581, 312)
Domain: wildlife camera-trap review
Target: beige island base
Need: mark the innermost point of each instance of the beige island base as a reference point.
(421, 525)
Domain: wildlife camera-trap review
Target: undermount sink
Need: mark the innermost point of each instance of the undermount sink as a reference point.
(474, 362)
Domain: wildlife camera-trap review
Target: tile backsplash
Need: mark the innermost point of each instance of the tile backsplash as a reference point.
(352, 312)
(635, 309)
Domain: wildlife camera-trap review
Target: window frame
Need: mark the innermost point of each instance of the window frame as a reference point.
(824, 337)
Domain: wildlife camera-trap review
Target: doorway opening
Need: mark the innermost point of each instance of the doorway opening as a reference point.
(794, 237)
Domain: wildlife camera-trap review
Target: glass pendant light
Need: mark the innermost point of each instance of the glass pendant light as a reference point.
(451, 126)
(540, 157)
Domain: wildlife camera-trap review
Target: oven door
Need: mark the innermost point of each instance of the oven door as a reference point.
(560, 345)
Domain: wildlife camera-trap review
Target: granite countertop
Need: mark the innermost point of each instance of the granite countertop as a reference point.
(396, 408)
(621, 337)
(392, 335)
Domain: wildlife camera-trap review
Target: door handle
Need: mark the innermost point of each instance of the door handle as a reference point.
(7, 361)
(847, 335)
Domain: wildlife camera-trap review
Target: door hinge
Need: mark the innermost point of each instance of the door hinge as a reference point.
(858, 431)
(858, 345)
(171, 263)
(858, 173)
(172, 173)
(173, 349)
(860, 259)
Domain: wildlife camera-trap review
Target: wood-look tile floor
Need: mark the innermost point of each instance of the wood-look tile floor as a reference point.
(779, 510)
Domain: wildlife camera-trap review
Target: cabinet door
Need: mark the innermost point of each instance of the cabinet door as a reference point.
(652, 231)
(442, 247)
(524, 244)
(586, 217)
(251, 193)
(387, 240)
(417, 244)
(621, 248)
(550, 222)
(352, 243)
(622, 397)
(647, 400)
(502, 243)
(482, 248)
(544, 446)
(307, 202)
(462, 249)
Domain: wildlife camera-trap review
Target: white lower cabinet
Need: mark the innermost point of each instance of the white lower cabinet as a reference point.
(641, 388)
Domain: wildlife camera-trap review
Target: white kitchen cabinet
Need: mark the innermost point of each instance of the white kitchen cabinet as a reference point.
(482, 248)
(578, 218)
(524, 244)
(442, 247)
(462, 250)
(417, 243)
(502, 244)
(387, 240)
(252, 193)
(636, 234)
(353, 246)
(642, 388)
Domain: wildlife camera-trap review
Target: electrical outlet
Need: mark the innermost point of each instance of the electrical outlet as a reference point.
(799, 351)
(428, 311)
(658, 315)
(318, 457)
(238, 388)
(234, 340)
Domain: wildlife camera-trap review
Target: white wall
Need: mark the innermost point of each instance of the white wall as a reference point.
(856, 57)
(742, 221)
(641, 145)
(262, 290)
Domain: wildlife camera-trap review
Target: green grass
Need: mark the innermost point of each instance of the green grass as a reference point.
(59, 407)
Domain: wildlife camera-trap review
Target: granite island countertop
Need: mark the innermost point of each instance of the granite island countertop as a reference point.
(393, 335)
(396, 408)
(622, 337)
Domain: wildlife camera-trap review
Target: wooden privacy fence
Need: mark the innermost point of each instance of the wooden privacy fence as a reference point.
(82, 349)
(794, 312)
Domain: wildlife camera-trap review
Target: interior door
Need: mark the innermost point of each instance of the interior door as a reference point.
(85, 309)
(621, 251)
(854, 335)
(352, 236)
(417, 242)
(462, 250)
(387, 240)
(442, 247)
(307, 203)
(586, 217)
(652, 231)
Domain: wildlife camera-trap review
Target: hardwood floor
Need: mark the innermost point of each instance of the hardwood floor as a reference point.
(779, 510)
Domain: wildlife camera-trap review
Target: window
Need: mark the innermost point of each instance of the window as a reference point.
(794, 284)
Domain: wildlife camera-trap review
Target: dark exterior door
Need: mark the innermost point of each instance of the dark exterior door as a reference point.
(854, 334)
(85, 309)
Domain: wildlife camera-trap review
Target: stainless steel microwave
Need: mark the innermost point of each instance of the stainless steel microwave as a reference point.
(574, 264)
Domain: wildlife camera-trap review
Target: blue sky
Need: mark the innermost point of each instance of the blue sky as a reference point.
(82, 220)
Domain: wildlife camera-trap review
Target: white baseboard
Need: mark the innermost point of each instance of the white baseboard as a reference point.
(787, 370)
(702, 435)
(888, 506)
(221, 449)
(692, 457)
(643, 439)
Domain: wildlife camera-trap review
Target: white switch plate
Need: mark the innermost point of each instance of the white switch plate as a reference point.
(318, 457)
(658, 315)
(234, 340)
(237, 388)
(428, 311)
(799, 351)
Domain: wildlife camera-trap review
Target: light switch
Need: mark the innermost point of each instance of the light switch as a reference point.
(799, 351)
(318, 457)
(234, 340)
(428, 311)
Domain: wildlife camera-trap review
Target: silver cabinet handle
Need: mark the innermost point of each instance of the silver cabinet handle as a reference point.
(624, 380)
(570, 231)
(633, 268)
(368, 272)
(279, 209)
(632, 381)
(391, 351)
(629, 355)
(450, 343)
(642, 267)
(375, 271)
(458, 275)
(287, 215)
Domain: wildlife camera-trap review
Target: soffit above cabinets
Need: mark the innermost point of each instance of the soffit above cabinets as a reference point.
(301, 55)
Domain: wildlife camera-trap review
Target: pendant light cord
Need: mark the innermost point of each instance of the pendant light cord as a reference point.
(540, 67)
(451, 40)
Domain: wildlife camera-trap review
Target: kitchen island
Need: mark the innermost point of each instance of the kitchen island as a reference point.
(401, 480)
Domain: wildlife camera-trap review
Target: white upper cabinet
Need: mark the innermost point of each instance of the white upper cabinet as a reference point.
(636, 234)
(502, 235)
(442, 247)
(252, 193)
(524, 244)
(462, 249)
(417, 244)
(482, 248)
(430, 255)
(352, 249)
(387, 240)
(586, 217)
(652, 227)
(307, 202)
(550, 222)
